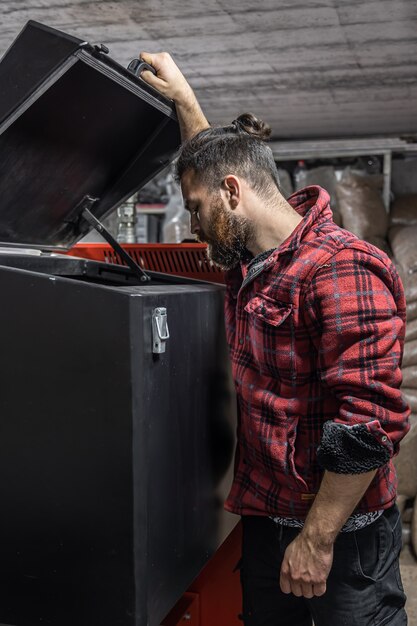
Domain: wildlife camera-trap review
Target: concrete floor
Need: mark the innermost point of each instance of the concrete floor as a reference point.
(409, 577)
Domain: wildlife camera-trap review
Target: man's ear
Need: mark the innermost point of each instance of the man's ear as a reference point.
(232, 190)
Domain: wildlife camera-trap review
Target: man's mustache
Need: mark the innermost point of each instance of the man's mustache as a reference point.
(202, 239)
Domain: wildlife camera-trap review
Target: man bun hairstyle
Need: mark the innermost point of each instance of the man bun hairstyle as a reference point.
(252, 125)
(238, 148)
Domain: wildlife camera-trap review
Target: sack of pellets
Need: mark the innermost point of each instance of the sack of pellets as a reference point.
(411, 396)
(360, 204)
(406, 462)
(411, 311)
(403, 241)
(404, 211)
(409, 376)
(324, 176)
(410, 287)
(411, 330)
(410, 353)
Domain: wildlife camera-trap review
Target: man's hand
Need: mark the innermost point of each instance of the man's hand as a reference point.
(170, 81)
(308, 559)
(305, 568)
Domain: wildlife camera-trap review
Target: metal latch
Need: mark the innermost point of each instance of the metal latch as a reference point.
(160, 332)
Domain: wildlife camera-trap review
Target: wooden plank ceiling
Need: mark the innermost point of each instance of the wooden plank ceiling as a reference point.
(311, 68)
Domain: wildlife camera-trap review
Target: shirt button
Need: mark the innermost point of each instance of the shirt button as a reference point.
(384, 438)
(241, 341)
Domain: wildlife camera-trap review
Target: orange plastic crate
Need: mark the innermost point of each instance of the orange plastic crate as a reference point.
(180, 259)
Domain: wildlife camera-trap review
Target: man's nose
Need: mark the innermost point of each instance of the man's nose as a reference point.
(195, 225)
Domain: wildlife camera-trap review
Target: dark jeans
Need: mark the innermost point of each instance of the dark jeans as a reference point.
(363, 588)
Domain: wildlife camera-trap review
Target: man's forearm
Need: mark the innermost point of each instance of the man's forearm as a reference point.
(336, 499)
(308, 559)
(170, 81)
(190, 116)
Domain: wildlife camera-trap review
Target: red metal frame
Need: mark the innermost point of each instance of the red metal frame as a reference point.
(180, 259)
(214, 598)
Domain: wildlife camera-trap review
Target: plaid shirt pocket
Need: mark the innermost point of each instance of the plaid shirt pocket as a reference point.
(270, 329)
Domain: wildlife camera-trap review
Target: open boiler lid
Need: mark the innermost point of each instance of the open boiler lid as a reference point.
(77, 130)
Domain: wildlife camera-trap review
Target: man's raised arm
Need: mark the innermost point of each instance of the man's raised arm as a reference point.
(170, 81)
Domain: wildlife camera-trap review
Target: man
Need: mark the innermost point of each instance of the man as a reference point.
(315, 321)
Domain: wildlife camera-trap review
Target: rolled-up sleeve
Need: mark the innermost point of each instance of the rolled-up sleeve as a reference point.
(355, 314)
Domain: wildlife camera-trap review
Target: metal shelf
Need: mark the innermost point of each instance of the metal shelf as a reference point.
(339, 148)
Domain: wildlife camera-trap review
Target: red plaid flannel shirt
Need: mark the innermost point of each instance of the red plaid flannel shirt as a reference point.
(315, 336)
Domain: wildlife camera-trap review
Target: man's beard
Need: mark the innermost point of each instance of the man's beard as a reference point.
(228, 235)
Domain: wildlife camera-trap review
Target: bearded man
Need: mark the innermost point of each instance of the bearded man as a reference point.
(315, 322)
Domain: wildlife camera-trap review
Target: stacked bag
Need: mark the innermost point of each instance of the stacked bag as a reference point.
(403, 240)
(360, 204)
(325, 177)
(363, 213)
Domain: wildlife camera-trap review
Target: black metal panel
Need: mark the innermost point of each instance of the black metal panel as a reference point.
(81, 126)
(65, 453)
(110, 456)
(185, 448)
(35, 54)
